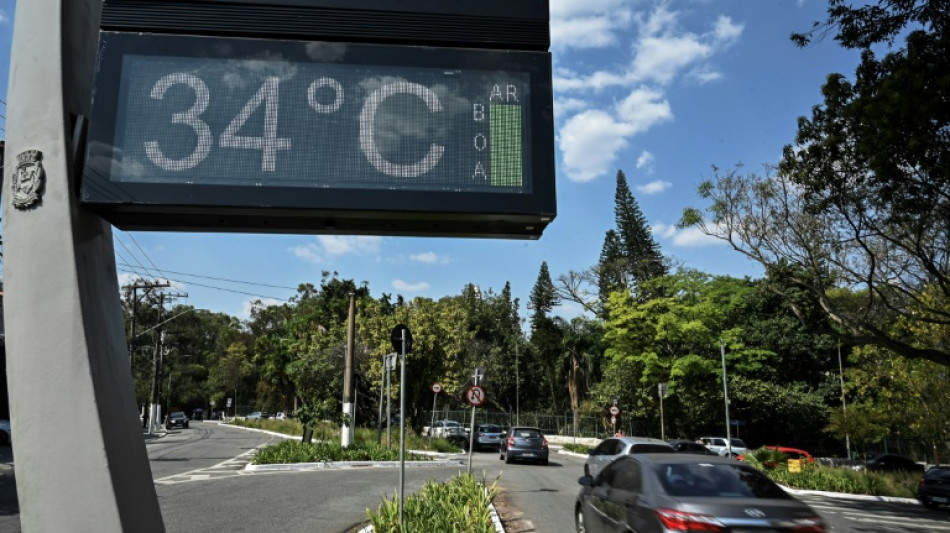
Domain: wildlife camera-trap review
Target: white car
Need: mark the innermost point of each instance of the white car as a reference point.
(719, 445)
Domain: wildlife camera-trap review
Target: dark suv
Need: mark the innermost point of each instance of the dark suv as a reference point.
(176, 420)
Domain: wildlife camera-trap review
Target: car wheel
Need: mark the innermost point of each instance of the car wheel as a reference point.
(579, 520)
(507, 459)
(544, 462)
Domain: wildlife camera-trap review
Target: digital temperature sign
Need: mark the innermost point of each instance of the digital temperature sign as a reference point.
(228, 134)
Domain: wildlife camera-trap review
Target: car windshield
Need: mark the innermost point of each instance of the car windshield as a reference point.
(717, 481)
(490, 429)
(178, 415)
(943, 474)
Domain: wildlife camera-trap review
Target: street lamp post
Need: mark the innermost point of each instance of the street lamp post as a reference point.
(725, 394)
(844, 404)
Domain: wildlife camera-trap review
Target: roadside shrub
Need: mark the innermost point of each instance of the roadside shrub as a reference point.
(290, 451)
(833, 479)
(576, 448)
(460, 504)
(324, 431)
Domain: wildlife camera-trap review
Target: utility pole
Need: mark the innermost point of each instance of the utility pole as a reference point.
(148, 286)
(349, 411)
(155, 414)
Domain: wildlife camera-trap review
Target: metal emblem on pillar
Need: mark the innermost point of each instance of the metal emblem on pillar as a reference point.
(28, 179)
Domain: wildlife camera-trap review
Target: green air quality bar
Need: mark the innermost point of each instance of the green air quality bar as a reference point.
(505, 145)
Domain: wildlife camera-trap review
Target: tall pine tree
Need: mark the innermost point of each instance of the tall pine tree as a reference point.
(629, 256)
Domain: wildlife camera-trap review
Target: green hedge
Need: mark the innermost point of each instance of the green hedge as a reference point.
(459, 505)
(290, 451)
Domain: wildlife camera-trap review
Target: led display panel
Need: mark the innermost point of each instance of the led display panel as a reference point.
(213, 133)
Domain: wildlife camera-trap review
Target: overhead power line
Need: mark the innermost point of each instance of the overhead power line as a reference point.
(196, 284)
(254, 283)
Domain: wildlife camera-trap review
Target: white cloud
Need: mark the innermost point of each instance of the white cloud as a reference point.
(563, 106)
(588, 24)
(589, 142)
(660, 52)
(690, 237)
(328, 246)
(644, 108)
(344, 244)
(654, 187)
(645, 160)
(126, 278)
(401, 285)
(257, 303)
(311, 253)
(430, 258)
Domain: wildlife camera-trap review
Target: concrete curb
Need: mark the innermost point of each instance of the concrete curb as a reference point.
(848, 496)
(339, 465)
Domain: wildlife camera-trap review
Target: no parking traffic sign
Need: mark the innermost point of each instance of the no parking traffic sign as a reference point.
(614, 410)
(475, 395)
(436, 388)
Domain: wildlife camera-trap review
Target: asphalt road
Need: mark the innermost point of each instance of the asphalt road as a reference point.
(202, 486)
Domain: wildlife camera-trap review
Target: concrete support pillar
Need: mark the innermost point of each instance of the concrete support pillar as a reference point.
(80, 457)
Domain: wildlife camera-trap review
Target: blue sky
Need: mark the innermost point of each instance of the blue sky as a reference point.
(662, 89)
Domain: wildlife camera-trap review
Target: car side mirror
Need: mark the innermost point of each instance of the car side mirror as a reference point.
(586, 481)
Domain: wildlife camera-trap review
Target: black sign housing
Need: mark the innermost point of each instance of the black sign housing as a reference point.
(226, 133)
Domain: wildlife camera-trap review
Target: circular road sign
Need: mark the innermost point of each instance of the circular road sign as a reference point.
(436, 388)
(475, 395)
(614, 410)
(397, 336)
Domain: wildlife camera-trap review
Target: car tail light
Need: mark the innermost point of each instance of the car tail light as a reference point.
(808, 525)
(511, 441)
(545, 445)
(682, 521)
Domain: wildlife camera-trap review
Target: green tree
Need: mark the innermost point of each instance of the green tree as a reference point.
(630, 256)
(862, 199)
(545, 336)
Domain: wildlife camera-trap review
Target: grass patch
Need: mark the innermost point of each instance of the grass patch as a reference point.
(327, 432)
(833, 479)
(576, 448)
(289, 451)
(458, 504)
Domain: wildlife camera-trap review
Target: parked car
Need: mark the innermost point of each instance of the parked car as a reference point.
(891, 462)
(257, 415)
(488, 436)
(719, 445)
(6, 434)
(281, 416)
(793, 453)
(524, 443)
(198, 414)
(663, 493)
(609, 449)
(176, 420)
(445, 429)
(934, 487)
(688, 446)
